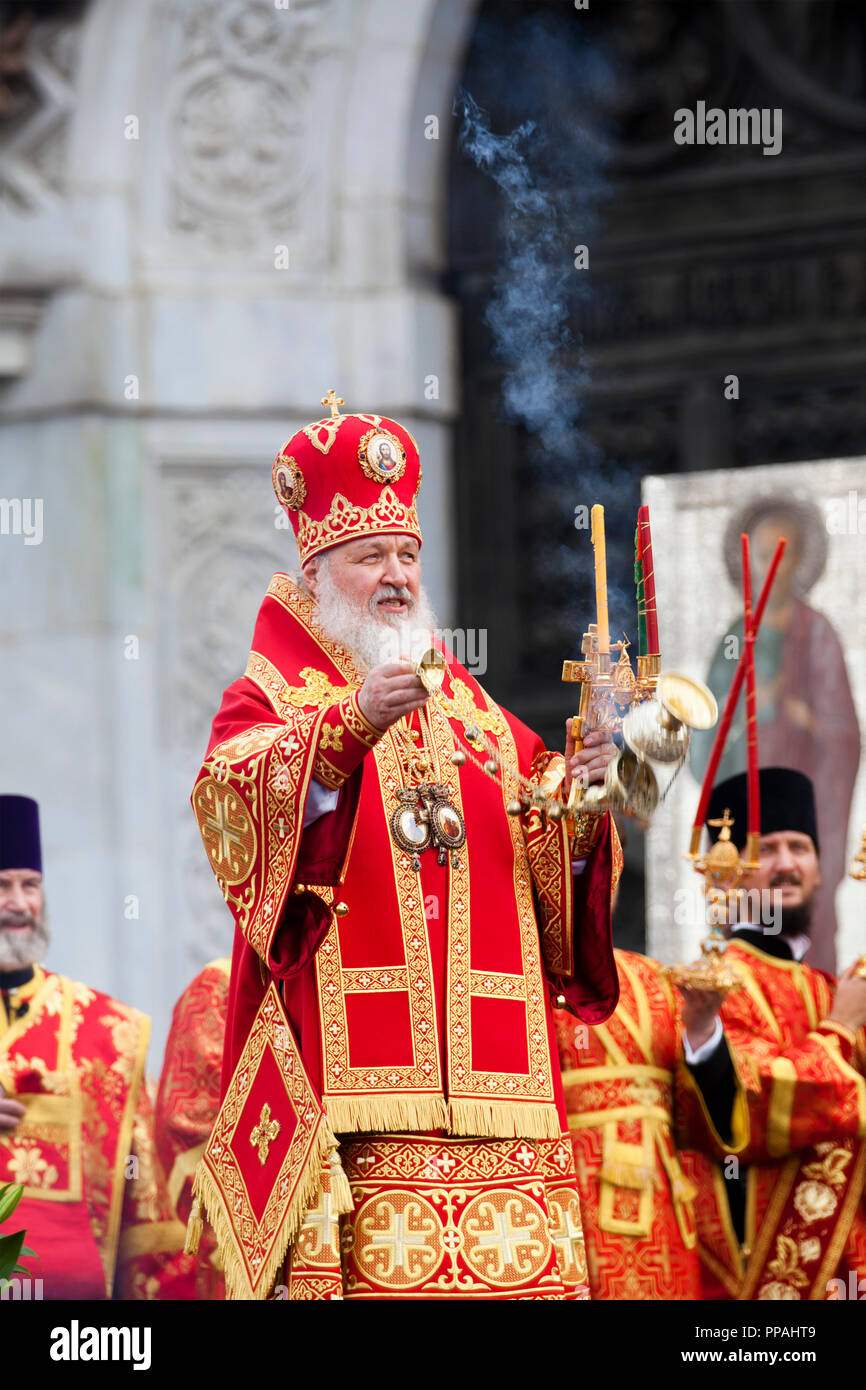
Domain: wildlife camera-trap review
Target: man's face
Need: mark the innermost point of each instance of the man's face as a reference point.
(380, 575)
(764, 540)
(23, 939)
(789, 868)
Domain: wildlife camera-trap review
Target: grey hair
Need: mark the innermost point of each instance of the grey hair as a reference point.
(299, 577)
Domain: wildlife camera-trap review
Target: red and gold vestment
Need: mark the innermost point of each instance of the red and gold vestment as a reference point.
(806, 1150)
(422, 1004)
(432, 1216)
(625, 1083)
(94, 1208)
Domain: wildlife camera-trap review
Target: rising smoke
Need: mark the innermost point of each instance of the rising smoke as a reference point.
(551, 170)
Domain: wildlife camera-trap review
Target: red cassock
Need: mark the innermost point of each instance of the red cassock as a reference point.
(186, 1106)
(95, 1207)
(803, 1076)
(411, 1007)
(630, 1099)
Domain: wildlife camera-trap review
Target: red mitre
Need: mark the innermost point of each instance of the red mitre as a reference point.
(347, 476)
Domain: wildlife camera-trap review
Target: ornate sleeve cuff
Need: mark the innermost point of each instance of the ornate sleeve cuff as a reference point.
(346, 735)
(844, 1034)
(586, 832)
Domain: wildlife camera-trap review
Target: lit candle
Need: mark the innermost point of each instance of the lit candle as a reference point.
(731, 705)
(597, 537)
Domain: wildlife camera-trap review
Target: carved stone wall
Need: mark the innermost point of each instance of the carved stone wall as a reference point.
(215, 212)
(219, 548)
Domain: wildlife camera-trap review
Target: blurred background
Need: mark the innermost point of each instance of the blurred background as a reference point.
(471, 216)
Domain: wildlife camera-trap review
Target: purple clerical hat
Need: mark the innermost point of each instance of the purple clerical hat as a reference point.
(20, 842)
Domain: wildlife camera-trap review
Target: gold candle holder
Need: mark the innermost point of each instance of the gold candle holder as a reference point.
(722, 869)
(649, 667)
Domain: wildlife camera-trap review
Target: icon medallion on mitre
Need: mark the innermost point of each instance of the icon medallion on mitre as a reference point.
(289, 482)
(381, 456)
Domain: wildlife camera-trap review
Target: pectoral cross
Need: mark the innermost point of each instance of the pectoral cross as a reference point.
(265, 1131)
(334, 401)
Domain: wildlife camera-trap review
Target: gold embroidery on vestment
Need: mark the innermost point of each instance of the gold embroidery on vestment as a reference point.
(264, 1133)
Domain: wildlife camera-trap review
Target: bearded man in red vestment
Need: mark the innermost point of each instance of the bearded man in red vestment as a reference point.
(75, 1118)
(403, 923)
(788, 1219)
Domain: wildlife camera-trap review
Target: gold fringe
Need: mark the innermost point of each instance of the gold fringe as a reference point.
(488, 1119)
(306, 1196)
(336, 1181)
(502, 1119)
(194, 1227)
(375, 1114)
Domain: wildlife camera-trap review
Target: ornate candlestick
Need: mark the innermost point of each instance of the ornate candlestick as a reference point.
(722, 869)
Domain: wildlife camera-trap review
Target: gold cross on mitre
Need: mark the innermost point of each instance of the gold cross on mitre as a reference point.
(334, 401)
(266, 1130)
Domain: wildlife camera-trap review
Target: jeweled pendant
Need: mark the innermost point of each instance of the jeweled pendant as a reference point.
(416, 863)
(458, 757)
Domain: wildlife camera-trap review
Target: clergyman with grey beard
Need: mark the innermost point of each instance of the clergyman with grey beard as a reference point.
(403, 922)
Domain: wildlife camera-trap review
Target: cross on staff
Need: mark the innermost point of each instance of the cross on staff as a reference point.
(334, 401)
(264, 1133)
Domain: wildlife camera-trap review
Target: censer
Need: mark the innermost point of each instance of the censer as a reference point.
(652, 710)
(655, 728)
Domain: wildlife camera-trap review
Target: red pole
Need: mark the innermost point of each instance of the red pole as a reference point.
(731, 705)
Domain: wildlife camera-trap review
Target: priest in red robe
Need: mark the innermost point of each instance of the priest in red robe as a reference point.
(631, 1100)
(186, 1106)
(787, 1219)
(75, 1118)
(403, 923)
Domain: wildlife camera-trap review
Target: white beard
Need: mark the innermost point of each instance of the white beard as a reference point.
(373, 640)
(28, 947)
